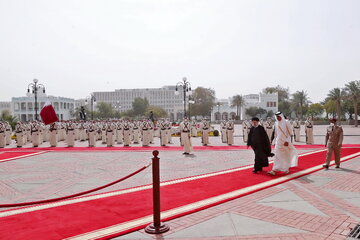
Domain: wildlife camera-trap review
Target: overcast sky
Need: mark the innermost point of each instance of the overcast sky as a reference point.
(75, 47)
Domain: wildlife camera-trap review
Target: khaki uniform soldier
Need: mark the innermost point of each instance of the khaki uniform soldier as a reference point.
(205, 129)
(309, 131)
(103, 133)
(246, 129)
(169, 132)
(223, 131)
(110, 140)
(82, 132)
(2, 135)
(28, 132)
(53, 135)
(333, 142)
(230, 132)
(46, 133)
(151, 131)
(145, 133)
(269, 128)
(70, 134)
(127, 134)
(35, 139)
(8, 132)
(119, 133)
(193, 129)
(92, 135)
(185, 128)
(296, 128)
(136, 133)
(19, 134)
(163, 133)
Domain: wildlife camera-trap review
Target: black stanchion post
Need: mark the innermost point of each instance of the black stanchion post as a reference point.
(157, 226)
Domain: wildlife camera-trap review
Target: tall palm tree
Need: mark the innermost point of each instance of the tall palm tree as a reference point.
(337, 96)
(237, 101)
(300, 100)
(353, 93)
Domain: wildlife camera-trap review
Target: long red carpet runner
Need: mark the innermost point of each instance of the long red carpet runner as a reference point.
(8, 156)
(111, 214)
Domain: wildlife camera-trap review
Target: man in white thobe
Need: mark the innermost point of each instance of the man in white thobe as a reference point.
(223, 131)
(285, 152)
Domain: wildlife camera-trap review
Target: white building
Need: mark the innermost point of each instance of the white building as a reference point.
(163, 97)
(223, 110)
(5, 106)
(24, 107)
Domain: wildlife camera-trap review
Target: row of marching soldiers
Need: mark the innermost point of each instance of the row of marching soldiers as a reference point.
(269, 126)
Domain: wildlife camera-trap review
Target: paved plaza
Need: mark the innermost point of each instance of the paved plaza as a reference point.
(321, 205)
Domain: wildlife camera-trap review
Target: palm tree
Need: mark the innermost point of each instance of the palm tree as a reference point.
(337, 95)
(237, 101)
(353, 93)
(300, 100)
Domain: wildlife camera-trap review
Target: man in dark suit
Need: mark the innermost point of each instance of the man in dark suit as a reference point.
(259, 142)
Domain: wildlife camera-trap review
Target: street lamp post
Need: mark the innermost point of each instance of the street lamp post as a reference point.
(92, 101)
(186, 90)
(34, 88)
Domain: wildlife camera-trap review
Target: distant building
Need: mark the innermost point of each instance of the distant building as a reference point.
(223, 110)
(5, 106)
(24, 107)
(163, 97)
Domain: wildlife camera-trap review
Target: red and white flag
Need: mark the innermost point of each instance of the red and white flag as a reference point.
(48, 114)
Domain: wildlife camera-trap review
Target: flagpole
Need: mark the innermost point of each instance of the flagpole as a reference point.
(35, 87)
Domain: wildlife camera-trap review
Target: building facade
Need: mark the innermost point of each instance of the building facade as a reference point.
(5, 106)
(23, 108)
(164, 97)
(223, 110)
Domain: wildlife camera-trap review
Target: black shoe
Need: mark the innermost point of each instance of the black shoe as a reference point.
(326, 166)
(254, 171)
(337, 166)
(186, 153)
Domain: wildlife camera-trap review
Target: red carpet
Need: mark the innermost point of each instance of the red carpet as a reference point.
(7, 156)
(58, 222)
(151, 148)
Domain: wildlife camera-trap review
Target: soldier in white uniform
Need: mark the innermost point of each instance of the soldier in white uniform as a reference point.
(110, 134)
(185, 128)
(92, 135)
(245, 130)
(223, 131)
(119, 133)
(145, 133)
(269, 128)
(127, 134)
(136, 133)
(163, 132)
(309, 131)
(2, 135)
(70, 134)
(193, 129)
(8, 131)
(19, 134)
(296, 129)
(230, 132)
(169, 131)
(35, 134)
(53, 135)
(205, 129)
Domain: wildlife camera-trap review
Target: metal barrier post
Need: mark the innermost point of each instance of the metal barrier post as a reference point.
(157, 226)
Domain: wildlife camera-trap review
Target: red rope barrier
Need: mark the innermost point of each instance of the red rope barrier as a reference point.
(73, 195)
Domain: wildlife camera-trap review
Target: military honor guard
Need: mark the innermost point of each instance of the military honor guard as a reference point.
(230, 132)
(163, 132)
(169, 131)
(309, 131)
(127, 134)
(53, 135)
(296, 128)
(136, 132)
(223, 131)
(91, 135)
(70, 134)
(193, 129)
(145, 129)
(35, 139)
(110, 140)
(119, 133)
(205, 129)
(8, 131)
(269, 127)
(246, 129)
(2, 135)
(333, 141)
(19, 134)
(185, 128)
